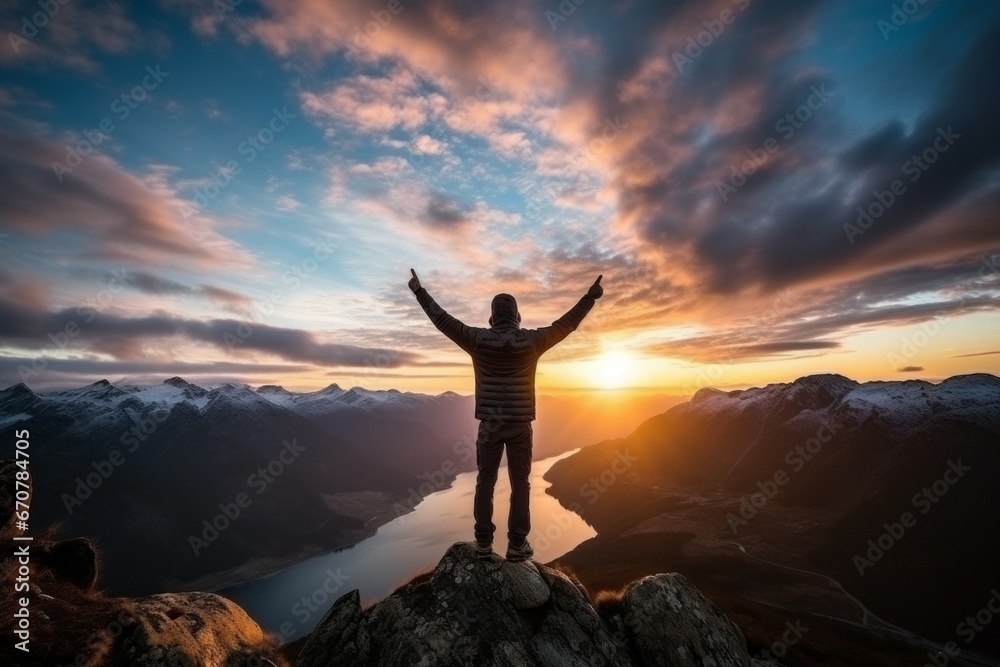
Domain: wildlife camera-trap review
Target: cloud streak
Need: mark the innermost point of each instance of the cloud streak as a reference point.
(132, 338)
(118, 215)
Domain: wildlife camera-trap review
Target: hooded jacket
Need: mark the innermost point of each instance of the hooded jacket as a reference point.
(504, 356)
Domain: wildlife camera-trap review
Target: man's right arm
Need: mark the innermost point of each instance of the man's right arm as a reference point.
(459, 333)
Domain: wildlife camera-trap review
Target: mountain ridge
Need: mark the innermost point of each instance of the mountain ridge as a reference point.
(804, 474)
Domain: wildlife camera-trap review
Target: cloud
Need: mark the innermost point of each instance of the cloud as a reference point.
(113, 213)
(213, 111)
(443, 212)
(427, 145)
(977, 354)
(130, 338)
(149, 283)
(911, 369)
(433, 65)
(808, 325)
(786, 226)
(449, 39)
(71, 37)
(608, 119)
(727, 347)
(71, 372)
(410, 376)
(788, 346)
(618, 147)
(376, 103)
(287, 203)
(809, 318)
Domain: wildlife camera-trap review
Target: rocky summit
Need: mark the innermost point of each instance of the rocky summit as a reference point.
(496, 612)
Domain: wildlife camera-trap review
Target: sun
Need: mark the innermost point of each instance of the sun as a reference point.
(614, 370)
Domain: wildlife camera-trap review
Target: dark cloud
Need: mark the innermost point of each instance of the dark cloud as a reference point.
(130, 338)
(875, 149)
(785, 226)
(976, 354)
(808, 238)
(809, 319)
(911, 369)
(149, 283)
(863, 315)
(443, 212)
(70, 35)
(402, 375)
(64, 373)
(729, 347)
(152, 284)
(790, 346)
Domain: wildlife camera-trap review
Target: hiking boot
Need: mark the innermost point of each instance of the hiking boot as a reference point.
(484, 551)
(518, 554)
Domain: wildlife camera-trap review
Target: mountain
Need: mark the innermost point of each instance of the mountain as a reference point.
(409, 429)
(414, 432)
(500, 613)
(152, 471)
(177, 482)
(787, 498)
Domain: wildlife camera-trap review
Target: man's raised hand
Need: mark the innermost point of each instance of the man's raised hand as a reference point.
(414, 282)
(596, 291)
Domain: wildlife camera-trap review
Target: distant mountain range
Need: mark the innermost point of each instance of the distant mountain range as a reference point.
(154, 471)
(772, 499)
(864, 513)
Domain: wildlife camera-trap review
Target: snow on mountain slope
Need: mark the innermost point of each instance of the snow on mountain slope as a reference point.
(334, 399)
(913, 403)
(13, 419)
(906, 404)
(863, 437)
(103, 396)
(169, 392)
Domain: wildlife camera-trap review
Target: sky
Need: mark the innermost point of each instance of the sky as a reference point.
(237, 191)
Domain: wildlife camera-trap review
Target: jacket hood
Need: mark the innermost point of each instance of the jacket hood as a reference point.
(504, 310)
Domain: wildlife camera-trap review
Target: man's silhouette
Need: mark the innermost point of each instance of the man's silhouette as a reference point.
(504, 358)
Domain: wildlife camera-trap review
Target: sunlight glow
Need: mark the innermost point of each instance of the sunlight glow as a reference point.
(614, 370)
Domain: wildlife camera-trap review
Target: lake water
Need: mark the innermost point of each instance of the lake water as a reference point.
(295, 599)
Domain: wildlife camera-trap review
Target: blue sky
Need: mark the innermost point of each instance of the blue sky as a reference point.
(281, 174)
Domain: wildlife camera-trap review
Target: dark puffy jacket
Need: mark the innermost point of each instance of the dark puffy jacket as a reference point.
(504, 356)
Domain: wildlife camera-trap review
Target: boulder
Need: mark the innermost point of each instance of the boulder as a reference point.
(495, 612)
(669, 623)
(189, 629)
(528, 589)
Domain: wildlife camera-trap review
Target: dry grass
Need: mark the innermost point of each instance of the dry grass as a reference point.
(608, 601)
(65, 619)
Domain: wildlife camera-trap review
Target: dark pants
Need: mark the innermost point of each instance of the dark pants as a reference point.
(489, 448)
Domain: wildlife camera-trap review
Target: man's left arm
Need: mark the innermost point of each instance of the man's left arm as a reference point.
(568, 323)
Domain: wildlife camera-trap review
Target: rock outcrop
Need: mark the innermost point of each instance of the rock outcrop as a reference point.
(184, 629)
(496, 612)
